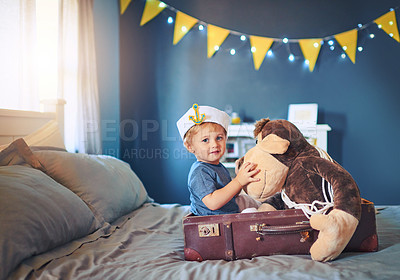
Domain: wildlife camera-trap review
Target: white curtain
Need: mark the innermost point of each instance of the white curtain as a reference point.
(68, 68)
(88, 93)
(17, 55)
(78, 76)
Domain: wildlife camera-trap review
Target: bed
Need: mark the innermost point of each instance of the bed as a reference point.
(76, 216)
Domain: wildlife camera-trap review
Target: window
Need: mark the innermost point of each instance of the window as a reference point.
(29, 36)
(47, 45)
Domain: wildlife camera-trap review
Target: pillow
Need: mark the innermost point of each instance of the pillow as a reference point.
(108, 185)
(37, 214)
(47, 135)
(18, 153)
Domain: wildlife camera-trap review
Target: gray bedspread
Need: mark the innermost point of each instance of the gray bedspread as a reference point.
(148, 244)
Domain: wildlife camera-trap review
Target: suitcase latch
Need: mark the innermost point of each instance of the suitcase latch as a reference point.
(257, 227)
(208, 230)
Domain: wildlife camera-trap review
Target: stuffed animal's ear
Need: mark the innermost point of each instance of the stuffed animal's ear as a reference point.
(274, 144)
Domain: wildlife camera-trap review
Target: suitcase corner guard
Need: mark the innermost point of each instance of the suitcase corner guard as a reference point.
(192, 255)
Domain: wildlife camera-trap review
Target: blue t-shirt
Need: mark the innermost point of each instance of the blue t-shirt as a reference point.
(205, 178)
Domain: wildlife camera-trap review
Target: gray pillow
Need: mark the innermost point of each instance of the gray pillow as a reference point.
(37, 214)
(108, 185)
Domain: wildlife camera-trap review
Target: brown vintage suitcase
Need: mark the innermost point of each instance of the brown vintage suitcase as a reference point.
(247, 235)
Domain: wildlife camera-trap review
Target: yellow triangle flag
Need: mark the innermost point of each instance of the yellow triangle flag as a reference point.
(151, 9)
(348, 41)
(259, 48)
(183, 23)
(124, 5)
(389, 24)
(215, 37)
(310, 49)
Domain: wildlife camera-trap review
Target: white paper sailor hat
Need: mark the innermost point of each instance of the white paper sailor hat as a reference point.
(200, 114)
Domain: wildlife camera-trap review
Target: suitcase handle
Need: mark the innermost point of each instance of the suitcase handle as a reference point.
(264, 229)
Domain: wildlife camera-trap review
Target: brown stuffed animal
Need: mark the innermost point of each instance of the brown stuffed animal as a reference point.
(304, 184)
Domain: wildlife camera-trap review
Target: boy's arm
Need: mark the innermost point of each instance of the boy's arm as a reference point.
(220, 197)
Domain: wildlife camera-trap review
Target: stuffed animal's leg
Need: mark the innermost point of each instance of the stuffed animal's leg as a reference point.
(266, 207)
(336, 230)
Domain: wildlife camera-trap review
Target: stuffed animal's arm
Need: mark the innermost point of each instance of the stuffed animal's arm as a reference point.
(345, 190)
(336, 228)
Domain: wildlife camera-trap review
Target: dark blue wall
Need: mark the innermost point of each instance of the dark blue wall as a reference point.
(159, 82)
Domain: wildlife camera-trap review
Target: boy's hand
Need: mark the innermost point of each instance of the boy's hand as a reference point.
(246, 172)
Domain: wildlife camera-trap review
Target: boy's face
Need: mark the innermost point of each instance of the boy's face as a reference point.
(208, 144)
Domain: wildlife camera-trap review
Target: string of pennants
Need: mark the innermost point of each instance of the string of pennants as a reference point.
(260, 45)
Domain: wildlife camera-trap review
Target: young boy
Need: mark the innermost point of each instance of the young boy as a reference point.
(212, 191)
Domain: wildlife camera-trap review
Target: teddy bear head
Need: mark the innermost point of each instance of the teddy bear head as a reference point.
(278, 143)
(286, 130)
(272, 173)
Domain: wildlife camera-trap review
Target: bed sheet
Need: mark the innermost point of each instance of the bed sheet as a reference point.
(148, 244)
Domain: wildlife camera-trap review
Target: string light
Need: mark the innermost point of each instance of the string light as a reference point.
(291, 57)
(331, 45)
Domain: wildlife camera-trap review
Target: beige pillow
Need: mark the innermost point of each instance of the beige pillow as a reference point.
(48, 135)
(18, 153)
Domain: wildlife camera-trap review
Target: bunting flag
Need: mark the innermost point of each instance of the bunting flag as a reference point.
(310, 49)
(389, 24)
(348, 41)
(151, 9)
(183, 23)
(123, 5)
(259, 48)
(215, 37)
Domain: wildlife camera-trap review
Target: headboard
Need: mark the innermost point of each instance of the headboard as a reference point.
(17, 123)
